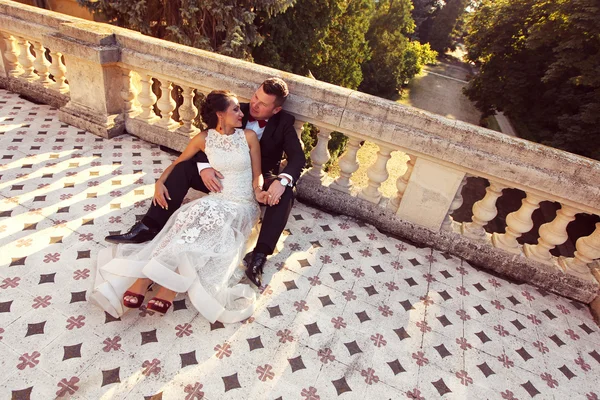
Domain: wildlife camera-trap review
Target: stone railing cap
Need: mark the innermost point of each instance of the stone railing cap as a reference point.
(91, 32)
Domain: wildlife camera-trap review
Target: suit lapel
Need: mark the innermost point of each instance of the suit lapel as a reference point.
(270, 128)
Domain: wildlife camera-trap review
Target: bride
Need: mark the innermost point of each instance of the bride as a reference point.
(201, 245)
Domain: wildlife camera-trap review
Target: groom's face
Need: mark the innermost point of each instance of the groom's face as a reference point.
(262, 105)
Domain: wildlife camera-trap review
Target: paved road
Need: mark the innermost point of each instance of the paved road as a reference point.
(438, 89)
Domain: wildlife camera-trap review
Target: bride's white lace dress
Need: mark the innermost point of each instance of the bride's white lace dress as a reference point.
(199, 248)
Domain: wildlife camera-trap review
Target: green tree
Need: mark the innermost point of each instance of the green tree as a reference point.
(347, 46)
(223, 26)
(326, 38)
(446, 24)
(422, 13)
(539, 64)
(395, 57)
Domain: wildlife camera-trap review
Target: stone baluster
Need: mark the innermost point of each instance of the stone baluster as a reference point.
(166, 104)
(26, 60)
(188, 112)
(401, 184)
(147, 98)
(319, 155)
(299, 127)
(58, 70)
(588, 249)
(455, 205)
(517, 223)
(551, 235)
(483, 212)
(377, 174)
(11, 54)
(128, 93)
(348, 165)
(42, 64)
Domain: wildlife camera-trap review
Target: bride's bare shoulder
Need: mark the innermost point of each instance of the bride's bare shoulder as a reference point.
(250, 134)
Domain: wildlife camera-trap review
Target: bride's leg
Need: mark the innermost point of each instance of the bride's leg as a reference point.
(134, 296)
(162, 301)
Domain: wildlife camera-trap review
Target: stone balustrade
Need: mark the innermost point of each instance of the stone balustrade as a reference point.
(108, 80)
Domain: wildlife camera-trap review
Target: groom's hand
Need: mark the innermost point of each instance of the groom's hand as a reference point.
(211, 178)
(275, 192)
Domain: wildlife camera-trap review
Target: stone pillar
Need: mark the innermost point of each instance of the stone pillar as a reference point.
(401, 184)
(26, 60)
(455, 205)
(58, 71)
(166, 104)
(95, 81)
(483, 212)
(377, 174)
(429, 194)
(348, 165)
(517, 223)
(147, 98)
(551, 235)
(128, 94)
(188, 112)
(319, 155)
(41, 64)
(588, 249)
(10, 56)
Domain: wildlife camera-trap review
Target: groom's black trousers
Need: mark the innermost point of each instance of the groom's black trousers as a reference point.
(185, 176)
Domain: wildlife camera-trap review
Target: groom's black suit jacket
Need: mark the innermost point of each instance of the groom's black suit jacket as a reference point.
(278, 137)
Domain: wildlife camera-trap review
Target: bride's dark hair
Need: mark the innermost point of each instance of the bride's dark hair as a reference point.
(217, 100)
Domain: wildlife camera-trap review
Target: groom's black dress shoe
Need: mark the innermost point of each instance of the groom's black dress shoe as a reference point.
(139, 233)
(254, 270)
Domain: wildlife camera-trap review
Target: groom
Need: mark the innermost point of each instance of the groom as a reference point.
(275, 130)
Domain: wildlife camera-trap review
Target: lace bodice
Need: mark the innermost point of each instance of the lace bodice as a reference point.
(230, 155)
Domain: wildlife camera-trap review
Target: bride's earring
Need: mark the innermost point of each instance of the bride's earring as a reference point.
(220, 124)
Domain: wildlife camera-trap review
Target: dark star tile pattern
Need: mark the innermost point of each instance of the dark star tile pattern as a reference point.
(231, 382)
(35, 329)
(296, 363)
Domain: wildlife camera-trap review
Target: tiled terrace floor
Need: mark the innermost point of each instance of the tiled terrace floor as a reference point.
(348, 312)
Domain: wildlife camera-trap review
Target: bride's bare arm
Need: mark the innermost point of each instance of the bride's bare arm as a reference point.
(160, 191)
(257, 177)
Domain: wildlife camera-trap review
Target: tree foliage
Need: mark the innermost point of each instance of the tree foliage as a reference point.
(446, 24)
(222, 26)
(395, 57)
(325, 37)
(423, 13)
(539, 64)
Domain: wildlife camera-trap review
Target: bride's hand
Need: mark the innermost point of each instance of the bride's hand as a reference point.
(161, 194)
(262, 197)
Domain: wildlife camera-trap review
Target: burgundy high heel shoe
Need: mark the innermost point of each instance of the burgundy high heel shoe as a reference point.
(129, 303)
(138, 297)
(159, 309)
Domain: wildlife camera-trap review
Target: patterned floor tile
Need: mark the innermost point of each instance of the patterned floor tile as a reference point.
(345, 311)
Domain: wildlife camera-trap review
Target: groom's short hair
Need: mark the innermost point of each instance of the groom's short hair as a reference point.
(278, 88)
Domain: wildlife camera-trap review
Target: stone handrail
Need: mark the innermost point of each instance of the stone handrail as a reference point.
(110, 73)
